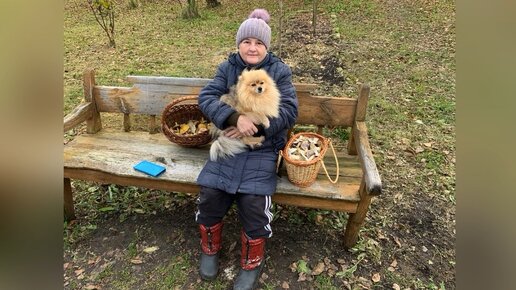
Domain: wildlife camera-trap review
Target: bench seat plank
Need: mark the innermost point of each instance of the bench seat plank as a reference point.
(110, 155)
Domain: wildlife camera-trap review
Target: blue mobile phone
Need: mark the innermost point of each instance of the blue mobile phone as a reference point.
(149, 168)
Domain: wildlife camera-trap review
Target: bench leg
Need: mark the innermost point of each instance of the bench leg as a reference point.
(68, 200)
(356, 220)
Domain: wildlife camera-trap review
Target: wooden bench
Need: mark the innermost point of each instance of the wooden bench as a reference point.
(107, 156)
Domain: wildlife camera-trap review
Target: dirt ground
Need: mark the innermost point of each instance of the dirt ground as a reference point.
(407, 241)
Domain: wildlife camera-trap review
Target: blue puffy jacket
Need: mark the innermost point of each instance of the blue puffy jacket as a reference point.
(253, 171)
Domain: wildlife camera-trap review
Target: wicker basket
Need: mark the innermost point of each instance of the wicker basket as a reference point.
(304, 173)
(180, 111)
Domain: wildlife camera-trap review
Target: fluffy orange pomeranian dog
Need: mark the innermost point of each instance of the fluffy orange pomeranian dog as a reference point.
(256, 96)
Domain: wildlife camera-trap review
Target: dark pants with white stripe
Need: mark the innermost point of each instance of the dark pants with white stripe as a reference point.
(254, 210)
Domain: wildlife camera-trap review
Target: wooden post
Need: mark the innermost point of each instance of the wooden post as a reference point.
(68, 200)
(127, 122)
(360, 114)
(352, 148)
(356, 220)
(93, 124)
(152, 125)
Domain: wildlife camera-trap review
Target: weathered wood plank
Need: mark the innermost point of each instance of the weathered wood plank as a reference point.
(363, 97)
(338, 205)
(162, 80)
(132, 100)
(140, 181)
(93, 124)
(140, 143)
(160, 184)
(331, 111)
(117, 152)
(193, 82)
(79, 114)
(373, 182)
(356, 219)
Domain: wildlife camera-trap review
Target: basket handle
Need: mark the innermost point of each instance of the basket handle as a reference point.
(336, 161)
(181, 99)
(279, 160)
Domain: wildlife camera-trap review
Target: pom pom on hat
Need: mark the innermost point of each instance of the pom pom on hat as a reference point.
(256, 27)
(260, 14)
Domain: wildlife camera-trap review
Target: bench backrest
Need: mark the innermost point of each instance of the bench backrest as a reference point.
(149, 95)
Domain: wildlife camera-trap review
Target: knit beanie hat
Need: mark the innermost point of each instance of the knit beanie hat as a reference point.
(255, 26)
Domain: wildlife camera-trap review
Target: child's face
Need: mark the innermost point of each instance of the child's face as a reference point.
(252, 50)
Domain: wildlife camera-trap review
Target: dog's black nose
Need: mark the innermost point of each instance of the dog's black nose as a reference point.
(259, 89)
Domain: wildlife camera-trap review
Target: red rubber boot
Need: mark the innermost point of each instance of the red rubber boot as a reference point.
(211, 238)
(251, 262)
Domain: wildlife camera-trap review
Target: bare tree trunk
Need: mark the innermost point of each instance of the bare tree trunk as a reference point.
(280, 29)
(212, 3)
(314, 18)
(104, 13)
(190, 10)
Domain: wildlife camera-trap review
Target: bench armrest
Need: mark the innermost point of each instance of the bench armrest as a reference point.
(79, 114)
(372, 179)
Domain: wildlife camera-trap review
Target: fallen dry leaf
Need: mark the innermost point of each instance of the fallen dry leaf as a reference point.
(331, 272)
(391, 269)
(301, 277)
(397, 240)
(293, 267)
(341, 261)
(136, 261)
(319, 219)
(78, 272)
(318, 269)
(91, 261)
(92, 287)
(376, 277)
(285, 285)
(395, 286)
(394, 263)
(150, 249)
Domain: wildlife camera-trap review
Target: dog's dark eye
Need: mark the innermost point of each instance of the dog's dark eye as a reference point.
(261, 83)
(254, 85)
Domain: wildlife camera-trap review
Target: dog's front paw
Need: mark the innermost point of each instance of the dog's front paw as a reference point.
(266, 123)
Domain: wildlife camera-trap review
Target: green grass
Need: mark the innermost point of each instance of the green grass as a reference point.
(174, 274)
(324, 282)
